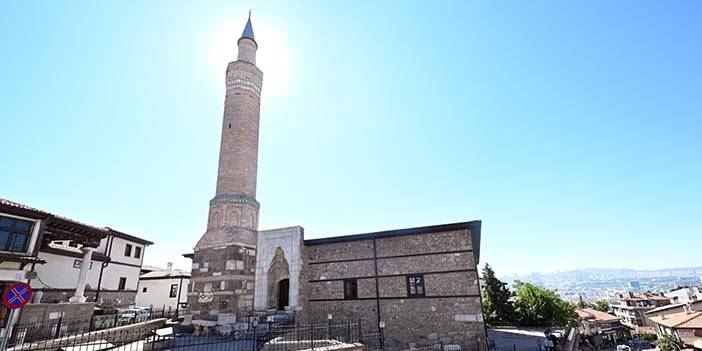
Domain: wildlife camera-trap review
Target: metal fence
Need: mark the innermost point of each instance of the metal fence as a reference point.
(63, 327)
(245, 336)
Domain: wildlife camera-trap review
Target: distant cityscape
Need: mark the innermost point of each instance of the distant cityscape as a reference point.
(603, 283)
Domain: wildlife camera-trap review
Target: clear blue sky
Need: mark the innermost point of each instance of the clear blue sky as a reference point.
(572, 129)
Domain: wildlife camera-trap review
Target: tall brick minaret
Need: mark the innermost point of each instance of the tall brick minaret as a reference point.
(234, 210)
(222, 280)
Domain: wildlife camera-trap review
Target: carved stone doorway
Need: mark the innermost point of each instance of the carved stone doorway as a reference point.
(279, 281)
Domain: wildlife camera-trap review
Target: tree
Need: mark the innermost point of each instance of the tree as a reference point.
(497, 308)
(540, 307)
(601, 305)
(669, 342)
(581, 304)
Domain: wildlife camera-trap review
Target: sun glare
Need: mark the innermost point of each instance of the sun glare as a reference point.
(272, 57)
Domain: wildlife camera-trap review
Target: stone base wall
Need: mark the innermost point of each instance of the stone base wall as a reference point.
(43, 312)
(107, 298)
(222, 283)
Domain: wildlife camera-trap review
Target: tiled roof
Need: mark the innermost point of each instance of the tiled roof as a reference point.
(667, 307)
(644, 296)
(693, 323)
(591, 314)
(679, 319)
(175, 273)
(18, 205)
(60, 222)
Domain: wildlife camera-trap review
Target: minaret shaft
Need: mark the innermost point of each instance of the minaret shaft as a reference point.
(233, 216)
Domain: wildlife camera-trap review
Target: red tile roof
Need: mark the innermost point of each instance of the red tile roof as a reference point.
(679, 319)
(591, 314)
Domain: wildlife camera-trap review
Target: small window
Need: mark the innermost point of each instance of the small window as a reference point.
(143, 289)
(174, 290)
(122, 283)
(350, 289)
(137, 252)
(14, 234)
(415, 285)
(128, 250)
(72, 244)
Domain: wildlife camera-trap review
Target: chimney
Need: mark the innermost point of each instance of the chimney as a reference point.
(169, 268)
(688, 308)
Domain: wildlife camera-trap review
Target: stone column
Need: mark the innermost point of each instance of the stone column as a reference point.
(79, 297)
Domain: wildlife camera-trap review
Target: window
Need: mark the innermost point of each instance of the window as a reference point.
(128, 250)
(174, 290)
(350, 289)
(122, 283)
(14, 234)
(415, 285)
(143, 289)
(137, 252)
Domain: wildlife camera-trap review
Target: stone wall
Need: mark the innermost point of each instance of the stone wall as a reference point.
(449, 311)
(43, 312)
(222, 283)
(107, 298)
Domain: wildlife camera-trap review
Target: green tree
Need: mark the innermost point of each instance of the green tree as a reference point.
(497, 308)
(540, 307)
(669, 342)
(601, 305)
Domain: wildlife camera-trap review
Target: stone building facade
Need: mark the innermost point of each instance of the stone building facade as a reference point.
(421, 283)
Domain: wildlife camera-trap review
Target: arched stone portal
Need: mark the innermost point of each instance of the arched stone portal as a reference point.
(279, 281)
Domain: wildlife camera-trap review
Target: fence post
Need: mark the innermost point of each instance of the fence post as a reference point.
(312, 336)
(116, 319)
(382, 340)
(360, 332)
(348, 331)
(58, 327)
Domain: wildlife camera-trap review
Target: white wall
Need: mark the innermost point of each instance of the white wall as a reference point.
(158, 291)
(117, 252)
(121, 266)
(685, 295)
(112, 273)
(58, 272)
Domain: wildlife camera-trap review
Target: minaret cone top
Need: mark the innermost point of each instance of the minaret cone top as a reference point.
(248, 31)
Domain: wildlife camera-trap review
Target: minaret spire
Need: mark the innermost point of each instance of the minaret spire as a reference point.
(248, 30)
